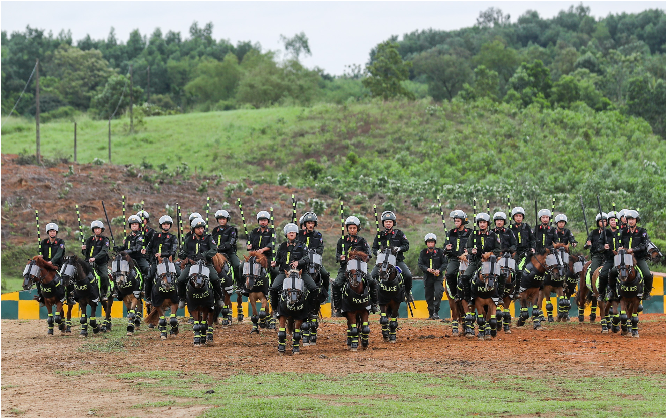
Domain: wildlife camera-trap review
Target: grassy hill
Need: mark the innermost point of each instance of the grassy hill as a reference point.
(407, 151)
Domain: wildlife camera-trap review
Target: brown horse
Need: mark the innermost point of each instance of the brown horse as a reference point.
(588, 291)
(127, 281)
(532, 278)
(551, 285)
(507, 273)
(255, 275)
(164, 296)
(458, 307)
(200, 298)
(86, 290)
(38, 270)
(653, 253)
(355, 304)
(485, 297)
(629, 290)
(224, 271)
(292, 310)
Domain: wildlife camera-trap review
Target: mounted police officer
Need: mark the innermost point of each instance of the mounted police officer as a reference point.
(595, 242)
(393, 238)
(52, 249)
(261, 238)
(225, 237)
(292, 254)
(351, 242)
(524, 240)
(96, 251)
(313, 240)
(612, 243)
(148, 232)
(199, 246)
(634, 240)
(543, 233)
(454, 248)
(135, 245)
(482, 241)
(432, 263)
(507, 241)
(165, 245)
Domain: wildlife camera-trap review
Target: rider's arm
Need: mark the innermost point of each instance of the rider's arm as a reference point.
(422, 262)
(404, 243)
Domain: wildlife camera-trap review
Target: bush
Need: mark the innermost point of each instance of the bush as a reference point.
(317, 205)
(312, 168)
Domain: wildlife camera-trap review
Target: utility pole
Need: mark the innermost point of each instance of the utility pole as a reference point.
(148, 89)
(37, 112)
(131, 101)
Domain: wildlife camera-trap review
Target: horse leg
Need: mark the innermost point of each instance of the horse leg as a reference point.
(545, 295)
(634, 318)
(83, 320)
(480, 318)
(93, 317)
(562, 311)
(68, 321)
(537, 314)
(196, 327)
(239, 307)
(49, 320)
(469, 319)
(255, 319)
(593, 310)
(365, 330)
(506, 316)
(263, 312)
(282, 335)
(173, 321)
(314, 325)
(305, 331)
(604, 322)
(353, 330)
(384, 322)
(226, 309)
(296, 337)
(492, 312)
(524, 311)
(129, 305)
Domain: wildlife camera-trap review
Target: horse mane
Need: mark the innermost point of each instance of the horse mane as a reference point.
(261, 259)
(46, 265)
(486, 256)
(219, 261)
(81, 267)
(358, 255)
(127, 258)
(463, 258)
(560, 245)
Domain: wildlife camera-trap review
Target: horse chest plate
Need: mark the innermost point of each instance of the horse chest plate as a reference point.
(201, 295)
(83, 287)
(388, 288)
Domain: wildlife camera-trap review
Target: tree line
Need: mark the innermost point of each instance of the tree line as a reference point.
(613, 63)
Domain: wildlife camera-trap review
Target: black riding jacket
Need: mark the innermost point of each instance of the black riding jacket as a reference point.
(288, 252)
(458, 240)
(97, 247)
(163, 243)
(53, 252)
(260, 239)
(614, 242)
(483, 244)
(134, 243)
(524, 237)
(351, 243)
(149, 234)
(636, 240)
(563, 236)
(311, 240)
(432, 259)
(225, 238)
(507, 239)
(543, 237)
(596, 238)
(391, 238)
(197, 246)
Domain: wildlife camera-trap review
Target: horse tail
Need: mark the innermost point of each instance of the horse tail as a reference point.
(218, 262)
(153, 317)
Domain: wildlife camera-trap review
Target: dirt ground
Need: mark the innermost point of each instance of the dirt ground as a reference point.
(32, 361)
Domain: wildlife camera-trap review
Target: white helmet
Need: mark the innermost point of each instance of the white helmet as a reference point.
(197, 222)
(517, 210)
(194, 216)
(166, 219)
(50, 226)
(460, 215)
(561, 217)
(602, 215)
(430, 237)
(97, 224)
(143, 214)
(353, 220)
(613, 214)
(290, 227)
(222, 214)
(483, 216)
(263, 215)
(544, 212)
(499, 215)
(133, 219)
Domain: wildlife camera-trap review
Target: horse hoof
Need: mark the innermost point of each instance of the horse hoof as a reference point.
(163, 337)
(353, 349)
(225, 322)
(295, 352)
(507, 331)
(305, 344)
(239, 318)
(151, 326)
(634, 335)
(550, 319)
(386, 338)
(581, 318)
(83, 335)
(49, 333)
(129, 333)
(604, 331)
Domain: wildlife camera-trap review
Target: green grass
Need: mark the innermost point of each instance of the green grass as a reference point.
(110, 342)
(11, 284)
(412, 394)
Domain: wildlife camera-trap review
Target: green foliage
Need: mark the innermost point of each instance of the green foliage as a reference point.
(387, 72)
(647, 99)
(214, 80)
(312, 168)
(115, 94)
(446, 73)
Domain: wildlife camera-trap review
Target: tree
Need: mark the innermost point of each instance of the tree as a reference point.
(486, 84)
(492, 17)
(497, 57)
(446, 73)
(530, 83)
(105, 103)
(647, 99)
(296, 45)
(387, 72)
(214, 80)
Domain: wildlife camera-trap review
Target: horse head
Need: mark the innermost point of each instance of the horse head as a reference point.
(507, 264)
(38, 270)
(293, 289)
(254, 268)
(386, 261)
(490, 270)
(653, 252)
(561, 252)
(357, 270)
(626, 266)
(314, 267)
(122, 269)
(71, 270)
(165, 274)
(199, 274)
(544, 262)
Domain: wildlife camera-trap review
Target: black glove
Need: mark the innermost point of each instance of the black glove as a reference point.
(117, 248)
(182, 255)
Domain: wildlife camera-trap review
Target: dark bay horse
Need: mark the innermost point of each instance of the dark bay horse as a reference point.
(456, 306)
(355, 304)
(485, 297)
(629, 290)
(556, 283)
(200, 298)
(534, 272)
(38, 270)
(391, 293)
(311, 323)
(86, 290)
(292, 310)
(164, 296)
(507, 265)
(127, 281)
(224, 271)
(255, 277)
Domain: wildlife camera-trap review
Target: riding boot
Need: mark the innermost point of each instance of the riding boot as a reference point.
(373, 294)
(647, 292)
(274, 300)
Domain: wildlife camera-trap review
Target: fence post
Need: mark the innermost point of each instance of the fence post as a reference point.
(37, 138)
(74, 141)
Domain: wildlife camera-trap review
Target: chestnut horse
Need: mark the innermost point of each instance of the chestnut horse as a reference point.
(224, 272)
(127, 281)
(255, 275)
(457, 308)
(38, 270)
(629, 290)
(292, 310)
(164, 296)
(485, 297)
(86, 290)
(557, 286)
(391, 293)
(200, 298)
(507, 265)
(534, 272)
